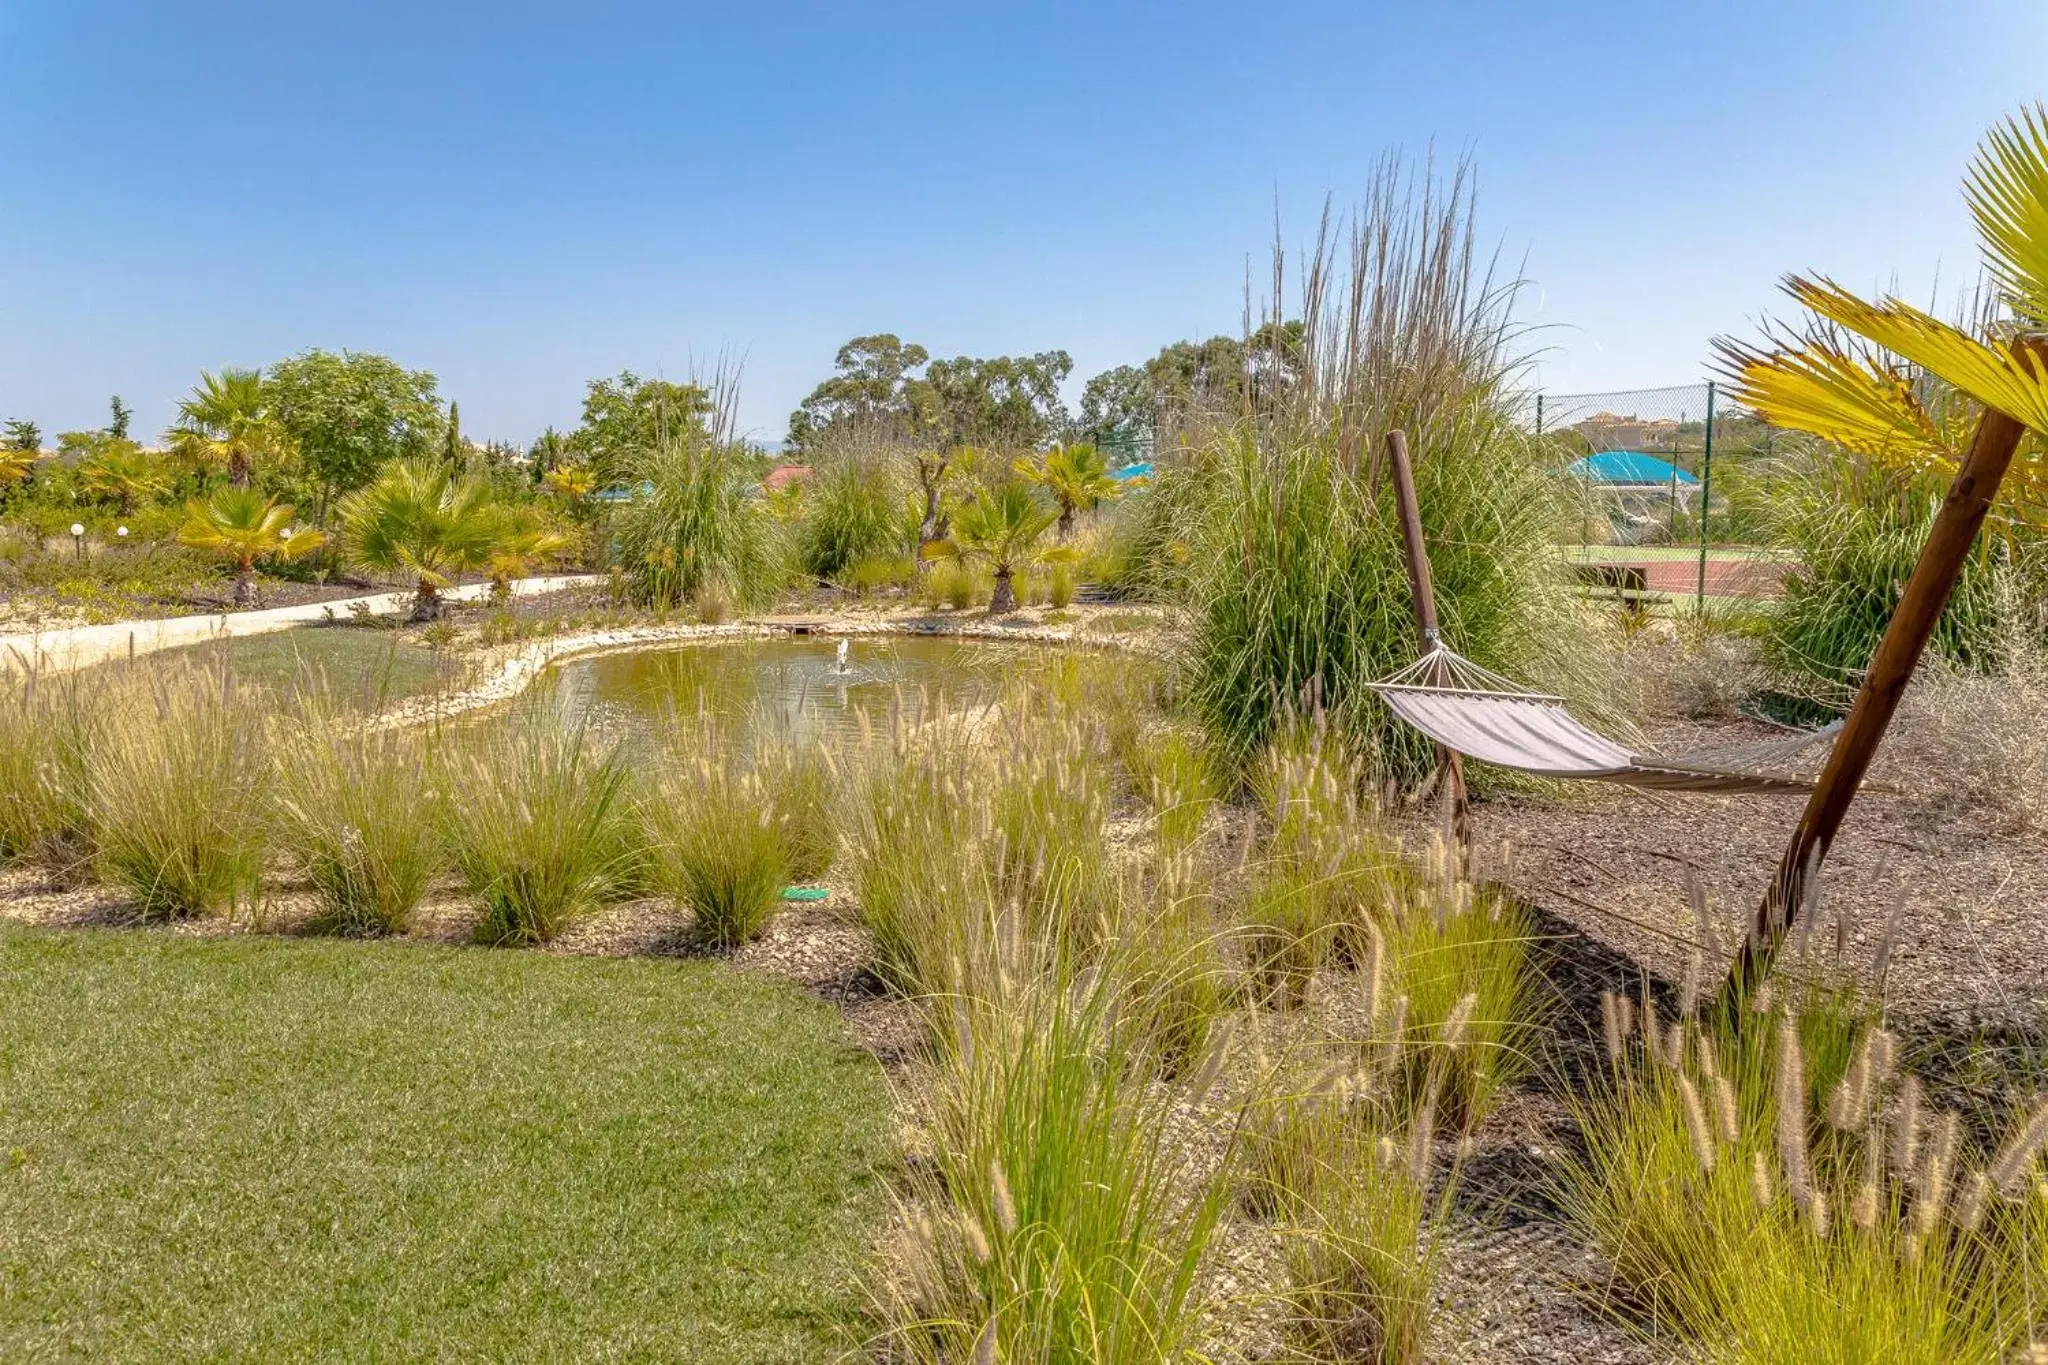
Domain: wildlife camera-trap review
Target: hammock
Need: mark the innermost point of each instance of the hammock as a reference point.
(1485, 716)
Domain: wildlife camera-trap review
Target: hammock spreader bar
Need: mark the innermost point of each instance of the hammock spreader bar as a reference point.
(1482, 715)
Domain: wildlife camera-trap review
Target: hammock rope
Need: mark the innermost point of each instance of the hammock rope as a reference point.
(1477, 712)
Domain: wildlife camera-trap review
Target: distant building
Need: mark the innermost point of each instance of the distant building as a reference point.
(1609, 431)
(783, 475)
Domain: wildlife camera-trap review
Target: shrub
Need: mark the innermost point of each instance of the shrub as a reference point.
(536, 819)
(802, 782)
(176, 793)
(717, 848)
(853, 510)
(47, 727)
(697, 527)
(1060, 591)
(357, 808)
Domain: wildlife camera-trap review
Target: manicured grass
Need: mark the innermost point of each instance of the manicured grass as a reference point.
(262, 1148)
(360, 668)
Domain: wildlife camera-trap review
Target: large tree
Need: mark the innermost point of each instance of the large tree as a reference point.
(875, 383)
(228, 420)
(352, 413)
(1120, 407)
(626, 418)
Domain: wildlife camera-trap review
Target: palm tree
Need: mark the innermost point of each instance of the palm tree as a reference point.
(525, 534)
(572, 483)
(123, 471)
(242, 526)
(227, 420)
(16, 463)
(424, 520)
(1076, 475)
(1000, 529)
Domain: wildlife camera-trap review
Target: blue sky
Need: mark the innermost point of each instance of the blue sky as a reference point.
(518, 196)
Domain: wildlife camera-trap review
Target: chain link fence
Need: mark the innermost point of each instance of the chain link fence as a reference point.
(1675, 488)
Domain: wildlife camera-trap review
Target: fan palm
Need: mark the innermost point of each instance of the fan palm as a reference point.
(242, 526)
(1076, 475)
(525, 534)
(572, 483)
(422, 519)
(15, 464)
(124, 472)
(1001, 529)
(1875, 378)
(227, 420)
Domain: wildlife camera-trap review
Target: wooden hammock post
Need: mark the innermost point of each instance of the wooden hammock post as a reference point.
(1934, 576)
(1450, 767)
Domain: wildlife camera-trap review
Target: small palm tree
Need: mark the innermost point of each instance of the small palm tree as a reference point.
(122, 471)
(1000, 529)
(422, 519)
(1076, 475)
(227, 421)
(16, 464)
(572, 483)
(242, 526)
(525, 534)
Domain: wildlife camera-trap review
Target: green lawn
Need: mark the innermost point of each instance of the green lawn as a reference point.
(272, 1149)
(357, 667)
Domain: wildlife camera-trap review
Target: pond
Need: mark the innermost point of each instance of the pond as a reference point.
(802, 683)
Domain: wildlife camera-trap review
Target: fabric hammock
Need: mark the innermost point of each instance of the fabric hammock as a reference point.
(1485, 716)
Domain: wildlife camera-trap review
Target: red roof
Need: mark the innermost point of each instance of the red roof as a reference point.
(783, 475)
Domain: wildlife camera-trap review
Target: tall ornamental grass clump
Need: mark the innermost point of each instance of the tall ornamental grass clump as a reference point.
(716, 844)
(1857, 531)
(1791, 1194)
(802, 784)
(1057, 1219)
(697, 532)
(176, 790)
(855, 508)
(1295, 576)
(355, 805)
(47, 727)
(536, 815)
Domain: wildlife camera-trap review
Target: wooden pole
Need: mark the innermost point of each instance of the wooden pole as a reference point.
(1934, 576)
(1450, 767)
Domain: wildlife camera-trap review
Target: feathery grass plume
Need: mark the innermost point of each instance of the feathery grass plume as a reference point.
(176, 783)
(1696, 1122)
(1790, 1100)
(1689, 989)
(1178, 978)
(1905, 1143)
(1610, 1026)
(1100, 1252)
(1702, 914)
(1931, 1190)
(355, 805)
(802, 783)
(2019, 1150)
(1848, 1100)
(1863, 1204)
(716, 845)
(537, 818)
(1175, 776)
(1881, 967)
(1293, 574)
(48, 726)
(1969, 1210)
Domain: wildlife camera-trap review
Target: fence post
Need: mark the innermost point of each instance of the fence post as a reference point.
(1539, 414)
(1706, 499)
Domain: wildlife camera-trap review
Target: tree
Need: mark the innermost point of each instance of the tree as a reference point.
(933, 467)
(525, 535)
(1001, 529)
(1076, 475)
(422, 519)
(352, 413)
(240, 525)
(227, 420)
(453, 449)
(551, 450)
(119, 413)
(122, 472)
(629, 417)
(875, 384)
(572, 483)
(1008, 402)
(1120, 407)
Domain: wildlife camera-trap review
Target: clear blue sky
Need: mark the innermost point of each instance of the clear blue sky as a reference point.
(520, 195)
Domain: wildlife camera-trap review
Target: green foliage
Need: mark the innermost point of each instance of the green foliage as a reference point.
(1001, 529)
(626, 420)
(350, 414)
(852, 509)
(119, 471)
(536, 818)
(875, 387)
(355, 806)
(1857, 532)
(1010, 402)
(713, 833)
(1120, 408)
(424, 520)
(803, 794)
(241, 526)
(176, 789)
(21, 434)
(118, 416)
(1077, 476)
(699, 529)
(228, 421)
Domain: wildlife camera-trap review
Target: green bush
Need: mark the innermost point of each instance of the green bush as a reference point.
(356, 808)
(536, 819)
(718, 849)
(853, 509)
(697, 530)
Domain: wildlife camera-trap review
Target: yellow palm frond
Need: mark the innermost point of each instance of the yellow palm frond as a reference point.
(1988, 370)
(2007, 189)
(1850, 397)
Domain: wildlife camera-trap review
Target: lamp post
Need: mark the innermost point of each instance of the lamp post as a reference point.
(78, 540)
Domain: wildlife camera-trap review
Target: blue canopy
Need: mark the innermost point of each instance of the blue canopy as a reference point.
(1132, 471)
(1629, 467)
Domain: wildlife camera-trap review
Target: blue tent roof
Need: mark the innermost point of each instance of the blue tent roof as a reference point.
(1133, 471)
(1629, 466)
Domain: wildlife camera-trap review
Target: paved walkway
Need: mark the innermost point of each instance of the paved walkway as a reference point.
(57, 651)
